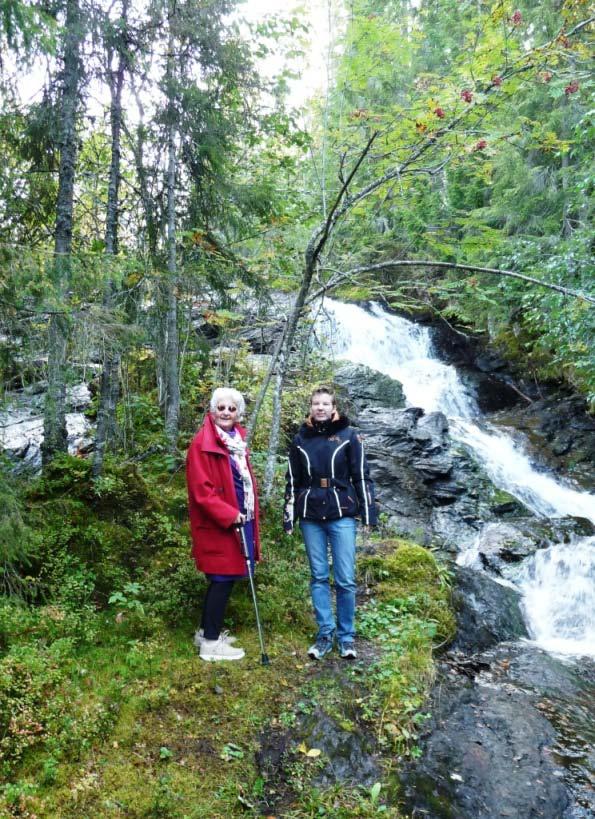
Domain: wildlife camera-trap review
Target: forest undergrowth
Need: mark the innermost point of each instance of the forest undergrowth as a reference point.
(105, 707)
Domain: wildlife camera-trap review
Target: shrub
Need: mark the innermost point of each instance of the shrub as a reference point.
(17, 541)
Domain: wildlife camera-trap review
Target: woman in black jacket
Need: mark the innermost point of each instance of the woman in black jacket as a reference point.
(328, 485)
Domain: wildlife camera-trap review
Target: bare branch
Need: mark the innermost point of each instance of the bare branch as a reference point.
(315, 247)
(356, 271)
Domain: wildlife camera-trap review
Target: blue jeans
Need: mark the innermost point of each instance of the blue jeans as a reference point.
(341, 536)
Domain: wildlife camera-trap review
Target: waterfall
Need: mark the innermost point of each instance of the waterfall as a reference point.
(558, 583)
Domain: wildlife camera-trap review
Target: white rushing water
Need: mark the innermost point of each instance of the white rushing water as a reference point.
(558, 586)
(558, 582)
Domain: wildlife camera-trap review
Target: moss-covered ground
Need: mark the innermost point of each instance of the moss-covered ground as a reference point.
(105, 708)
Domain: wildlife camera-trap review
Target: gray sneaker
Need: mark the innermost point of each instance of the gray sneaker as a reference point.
(215, 650)
(322, 646)
(199, 636)
(347, 651)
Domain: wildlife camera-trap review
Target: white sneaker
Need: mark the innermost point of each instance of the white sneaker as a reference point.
(213, 650)
(199, 636)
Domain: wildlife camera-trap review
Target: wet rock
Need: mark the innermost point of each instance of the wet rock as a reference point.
(433, 466)
(487, 612)
(511, 734)
(477, 761)
(561, 434)
(489, 362)
(365, 387)
(489, 376)
(432, 427)
(503, 503)
(502, 543)
(349, 754)
(416, 471)
(564, 678)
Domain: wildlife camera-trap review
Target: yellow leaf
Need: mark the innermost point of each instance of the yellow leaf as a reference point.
(302, 748)
(314, 752)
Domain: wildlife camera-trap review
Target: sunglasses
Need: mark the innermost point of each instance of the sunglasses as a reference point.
(230, 408)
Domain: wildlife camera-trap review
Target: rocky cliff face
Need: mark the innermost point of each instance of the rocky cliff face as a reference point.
(511, 732)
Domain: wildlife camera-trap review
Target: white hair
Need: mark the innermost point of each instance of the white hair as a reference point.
(227, 393)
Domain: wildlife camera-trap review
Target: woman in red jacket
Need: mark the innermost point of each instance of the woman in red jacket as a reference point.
(221, 496)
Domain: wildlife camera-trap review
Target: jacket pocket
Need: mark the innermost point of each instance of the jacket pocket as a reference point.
(348, 501)
(208, 539)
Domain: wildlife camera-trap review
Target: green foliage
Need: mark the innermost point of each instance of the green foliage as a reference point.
(503, 177)
(410, 581)
(25, 25)
(100, 531)
(409, 614)
(17, 541)
(35, 708)
(128, 599)
(172, 588)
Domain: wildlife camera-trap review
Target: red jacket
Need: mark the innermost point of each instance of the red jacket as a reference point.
(213, 505)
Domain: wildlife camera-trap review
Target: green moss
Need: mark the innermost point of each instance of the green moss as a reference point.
(133, 723)
(408, 575)
(409, 614)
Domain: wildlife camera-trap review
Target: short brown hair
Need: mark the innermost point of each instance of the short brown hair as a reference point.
(324, 390)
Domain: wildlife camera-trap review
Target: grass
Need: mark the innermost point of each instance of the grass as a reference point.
(171, 723)
(106, 711)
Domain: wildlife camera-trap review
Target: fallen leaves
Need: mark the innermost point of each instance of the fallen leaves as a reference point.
(309, 752)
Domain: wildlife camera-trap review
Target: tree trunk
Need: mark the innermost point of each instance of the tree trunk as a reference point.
(271, 462)
(110, 385)
(172, 342)
(54, 421)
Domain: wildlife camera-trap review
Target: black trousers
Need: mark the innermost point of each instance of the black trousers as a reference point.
(213, 610)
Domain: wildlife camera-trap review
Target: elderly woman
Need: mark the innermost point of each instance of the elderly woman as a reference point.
(222, 497)
(328, 485)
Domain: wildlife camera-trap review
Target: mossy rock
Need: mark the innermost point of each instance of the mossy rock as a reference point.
(502, 502)
(120, 490)
(408, 572)
(403, 562)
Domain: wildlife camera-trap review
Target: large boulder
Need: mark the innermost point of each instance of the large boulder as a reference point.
(364, 387)
(487, 612)
(502, 545)
(416, 471)
(511, 734)
(488, 755)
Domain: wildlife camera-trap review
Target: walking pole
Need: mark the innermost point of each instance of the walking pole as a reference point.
(264, 659)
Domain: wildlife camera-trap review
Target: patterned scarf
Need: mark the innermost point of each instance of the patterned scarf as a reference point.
(237, 450)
